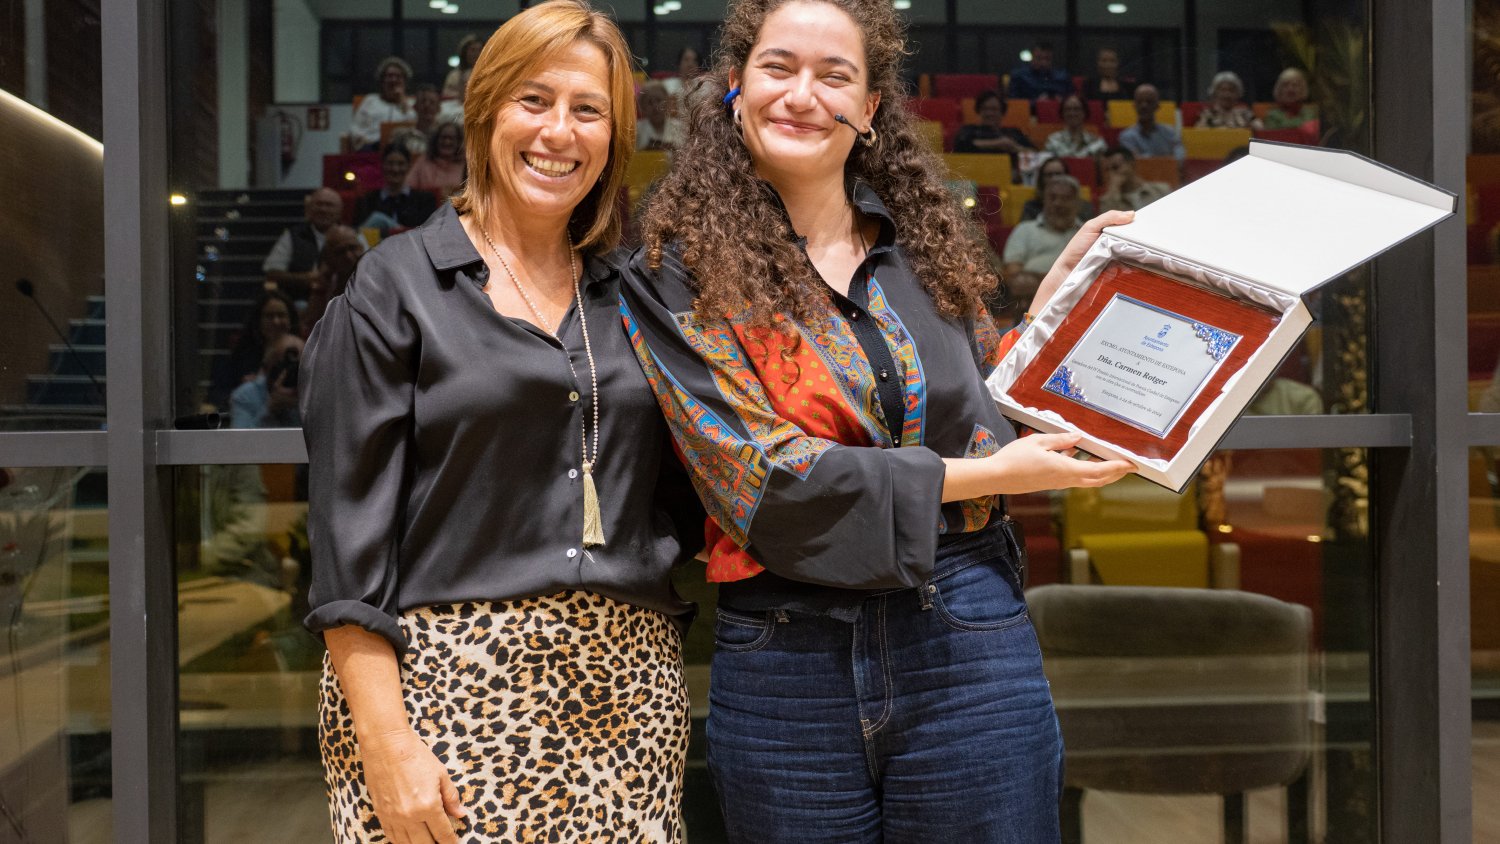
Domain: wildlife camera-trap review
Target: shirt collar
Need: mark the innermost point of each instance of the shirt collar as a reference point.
(449, 248)
(865, 199)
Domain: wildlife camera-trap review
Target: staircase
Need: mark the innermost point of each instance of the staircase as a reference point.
(65, 390)
(234, 232)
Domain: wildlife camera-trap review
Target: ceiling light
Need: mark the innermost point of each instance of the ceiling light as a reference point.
(1025, 55)
(450, 9)
(673, 5)
(902, 5)
(178, 199)
(436, 4)
(660, 9)
(453, 61)
(1116, 8)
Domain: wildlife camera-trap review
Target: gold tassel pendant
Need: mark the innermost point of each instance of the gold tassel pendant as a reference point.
(593, 524)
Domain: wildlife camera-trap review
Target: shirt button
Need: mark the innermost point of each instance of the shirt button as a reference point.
(572, 552)
(573, 396)
(572, 473)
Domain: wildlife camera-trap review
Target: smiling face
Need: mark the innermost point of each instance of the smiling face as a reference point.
(275, 321)
(393, 84)
(1059, 204)
(1291, 89)
(427, 106)
(990, 111)
(1107, 64)
(552, 135)
(394, 167)
(1226, 95)
(445, 142)
(1073, 113)
(807, 65)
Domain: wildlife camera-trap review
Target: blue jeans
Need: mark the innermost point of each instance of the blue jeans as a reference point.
(926, 719)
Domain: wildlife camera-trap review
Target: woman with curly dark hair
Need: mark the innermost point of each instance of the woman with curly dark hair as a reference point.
(807, 306)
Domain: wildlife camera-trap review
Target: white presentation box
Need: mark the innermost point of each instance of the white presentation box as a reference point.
(1241, 247)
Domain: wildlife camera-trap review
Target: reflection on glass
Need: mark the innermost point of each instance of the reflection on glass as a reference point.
(52, 278)
(1214, 643)
(54, 680)
(248, 671)
(1484, 597)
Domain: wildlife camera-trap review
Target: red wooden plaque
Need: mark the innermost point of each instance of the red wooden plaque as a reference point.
(1188, 301)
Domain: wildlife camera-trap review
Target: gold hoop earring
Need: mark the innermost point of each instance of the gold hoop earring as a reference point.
(739, 122)
(870, 138)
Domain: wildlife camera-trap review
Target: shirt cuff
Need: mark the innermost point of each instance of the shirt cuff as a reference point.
(359, 614)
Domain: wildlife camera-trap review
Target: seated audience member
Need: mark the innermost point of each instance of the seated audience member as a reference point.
(1106, 83)
(657, 128)
(1226, 108)
(1074, 140)
(427, 105)
(689, 65)
(1292, 110)
(389, 105)
(1285, 397)
(988, 135)
(394, 204)
(269, 400)
(295, 252)
(1035, 244)
(1147, 138)
(271, 319)
(1033, 207)
(441, 170)
(1123, 188)
(1038, 79)
(457, 81)
(341, 253)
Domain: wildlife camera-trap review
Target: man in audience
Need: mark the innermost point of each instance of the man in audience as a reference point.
(1035, 244)
(394, 205)
(295, 253)
(1147, 138)
(341, 252)
(390, 105)
(269, 400)
(427, 105)
(657, 128)
(1124, 190)
(1039, 80)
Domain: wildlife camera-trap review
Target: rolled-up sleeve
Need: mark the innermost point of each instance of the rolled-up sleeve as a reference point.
(357, 377)
(807, 508)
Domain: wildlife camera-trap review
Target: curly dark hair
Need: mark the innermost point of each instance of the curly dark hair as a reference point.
(730, 228)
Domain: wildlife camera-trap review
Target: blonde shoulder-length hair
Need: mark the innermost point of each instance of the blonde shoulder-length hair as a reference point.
(518, 49)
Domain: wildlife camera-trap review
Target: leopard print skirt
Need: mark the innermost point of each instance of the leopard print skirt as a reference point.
(560, 718)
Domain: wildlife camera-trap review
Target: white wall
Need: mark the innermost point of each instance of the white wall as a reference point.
(297, 59)
(234, 106)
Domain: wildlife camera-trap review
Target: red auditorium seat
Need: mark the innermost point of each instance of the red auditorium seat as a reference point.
(1096, 113)
(1196, 168)
(943, 110)
(960, 85)
(364, 165)
(1048, 111)
(1084, 170)
(1484, 345)
(1190, 112)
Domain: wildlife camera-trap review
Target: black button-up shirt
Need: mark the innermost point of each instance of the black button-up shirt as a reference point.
(444, 444)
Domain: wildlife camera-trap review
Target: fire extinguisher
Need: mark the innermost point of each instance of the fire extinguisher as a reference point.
(291, 138)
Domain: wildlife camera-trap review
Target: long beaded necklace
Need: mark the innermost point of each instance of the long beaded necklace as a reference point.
(593, 524)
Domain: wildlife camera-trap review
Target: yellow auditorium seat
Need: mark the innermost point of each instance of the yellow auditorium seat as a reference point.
(1213, 143)
(646, 167)
(982, 168)
(1013, 201)
(931, 132)
(1134, 533)
(1122, 113)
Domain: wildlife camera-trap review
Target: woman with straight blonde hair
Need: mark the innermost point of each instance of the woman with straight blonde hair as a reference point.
(489, 475)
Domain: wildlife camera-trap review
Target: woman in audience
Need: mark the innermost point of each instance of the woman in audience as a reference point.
(503, 639)
(808, 305)
(1033, 207)
(441, 170)
(1106, 83)
(1226, 108)
(689, 65)
(1292, 110)
(389, 105)
(272, 317)
(988, 135)
(457, 80)
(1074, 140)
(394, 205)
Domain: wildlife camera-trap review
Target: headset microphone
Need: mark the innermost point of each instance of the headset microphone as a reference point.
(868, 136)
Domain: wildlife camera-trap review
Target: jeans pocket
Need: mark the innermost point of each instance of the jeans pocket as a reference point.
(740, 632)
(979, 597)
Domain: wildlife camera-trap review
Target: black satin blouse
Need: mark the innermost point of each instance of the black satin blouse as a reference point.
(444, 446)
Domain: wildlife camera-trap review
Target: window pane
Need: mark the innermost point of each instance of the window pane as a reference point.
(248, 671)
(1484, 597)
(53, 372)
(54, 682)
(1166, 703)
